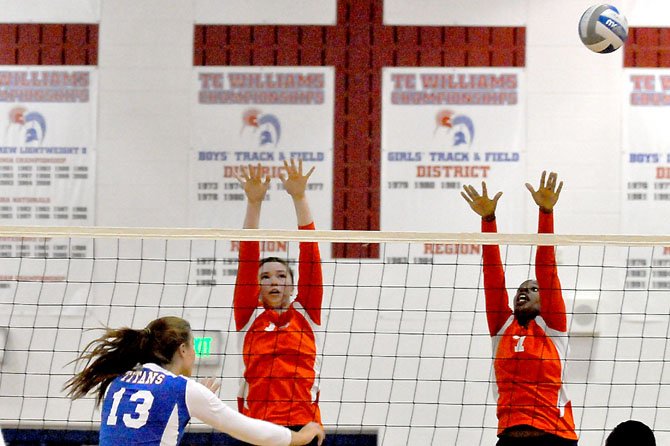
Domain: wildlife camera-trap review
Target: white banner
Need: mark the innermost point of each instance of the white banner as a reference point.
(255, 12)
(646, 151)
(455, 12)
(443, 128)
(646, 172)
(50, 11)
(47, 154)
(248, 115)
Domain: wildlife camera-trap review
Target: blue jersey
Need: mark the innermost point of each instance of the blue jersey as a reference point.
(144, 406)
(151, 406)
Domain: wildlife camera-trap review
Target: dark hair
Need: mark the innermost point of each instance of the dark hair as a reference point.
(119, 350)
(278, 260)
(631, 432)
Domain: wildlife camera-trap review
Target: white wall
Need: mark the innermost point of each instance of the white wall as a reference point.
(574, 106)
(574, 118)
(574, 111)
(145, 62)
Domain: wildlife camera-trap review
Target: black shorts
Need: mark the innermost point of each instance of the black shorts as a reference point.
(542, 440)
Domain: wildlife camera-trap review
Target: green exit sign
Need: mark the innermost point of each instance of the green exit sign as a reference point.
(208, 345)
(203, 346)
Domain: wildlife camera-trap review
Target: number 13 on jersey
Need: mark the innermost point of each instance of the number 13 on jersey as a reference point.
(140, 413)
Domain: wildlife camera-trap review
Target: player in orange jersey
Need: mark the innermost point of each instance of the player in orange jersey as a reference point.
(281, 343)
(530, 340)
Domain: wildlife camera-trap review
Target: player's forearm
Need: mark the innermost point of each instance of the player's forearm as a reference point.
(497, 307)
(310, 281)
(546, 272)
(253, 215)
(302, 211)
(245, 296)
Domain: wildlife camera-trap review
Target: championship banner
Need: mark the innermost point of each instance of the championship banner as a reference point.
(443, 128)
(47, 155)
(646, 171)
(248, 115)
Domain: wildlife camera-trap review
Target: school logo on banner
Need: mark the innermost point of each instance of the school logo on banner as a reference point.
(458, 130)
(25, 128)
(260, 129)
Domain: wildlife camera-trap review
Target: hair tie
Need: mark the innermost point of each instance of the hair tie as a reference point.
(147, 331)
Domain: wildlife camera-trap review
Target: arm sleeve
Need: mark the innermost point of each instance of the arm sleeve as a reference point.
(245, 298)
(497, 300)
(310, 278)
(208, 408)
(551, 296)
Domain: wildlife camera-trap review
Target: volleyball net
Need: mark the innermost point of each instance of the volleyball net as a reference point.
(406, 354)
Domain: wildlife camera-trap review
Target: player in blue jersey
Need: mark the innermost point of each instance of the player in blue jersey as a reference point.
(141, 379)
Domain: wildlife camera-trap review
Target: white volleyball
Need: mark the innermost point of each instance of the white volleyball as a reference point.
(603, 28)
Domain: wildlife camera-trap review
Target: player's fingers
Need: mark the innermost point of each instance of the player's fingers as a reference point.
(551, 182)
(464, 195)
(472, 193)
(245, 173)
(309, 173)
(300, 166)
(558, 191)
(267, 180)
(544, 174)
(237, 177)
(214, 385)
(497, 197)
(484, 191)
(321, 435)
(530, 188)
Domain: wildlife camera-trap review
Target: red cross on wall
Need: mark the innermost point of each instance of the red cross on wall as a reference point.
(359, 46)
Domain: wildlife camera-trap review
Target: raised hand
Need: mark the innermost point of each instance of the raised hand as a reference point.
(481, 204)
(211, 383)
(547, 194)
(294, 181)
(253, 184)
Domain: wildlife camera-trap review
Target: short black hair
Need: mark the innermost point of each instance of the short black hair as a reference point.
(631, 432)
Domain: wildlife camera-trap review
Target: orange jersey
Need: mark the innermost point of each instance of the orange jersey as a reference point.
(529, 361)
(281, 352)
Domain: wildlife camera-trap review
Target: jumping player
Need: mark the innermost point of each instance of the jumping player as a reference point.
(140, 376)
(281, 346)
(530, 341)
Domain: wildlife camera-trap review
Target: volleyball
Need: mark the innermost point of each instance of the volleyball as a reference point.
(603, 28)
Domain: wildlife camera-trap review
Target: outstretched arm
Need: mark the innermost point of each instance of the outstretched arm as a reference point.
(551, 296)
(207, 407)
(255, 187)
(245, 299)
(310, 280)
(295, 184)
(497, 301)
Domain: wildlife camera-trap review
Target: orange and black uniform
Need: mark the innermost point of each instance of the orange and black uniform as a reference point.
(281, 352)
(529, 361)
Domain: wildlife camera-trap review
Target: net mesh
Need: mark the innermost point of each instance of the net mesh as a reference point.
(406, 352)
